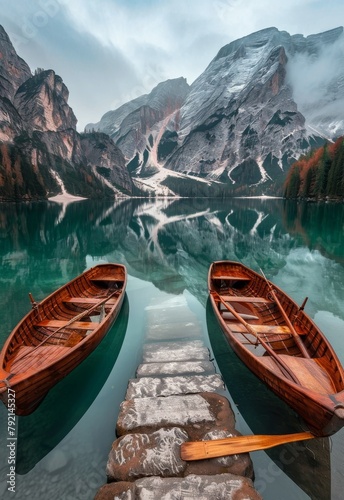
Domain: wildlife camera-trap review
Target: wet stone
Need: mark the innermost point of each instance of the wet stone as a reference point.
(116, 491)
(175, 368)
(195, 413)
(138, 455)
(219, 487)
(168, 386)
(175, 351)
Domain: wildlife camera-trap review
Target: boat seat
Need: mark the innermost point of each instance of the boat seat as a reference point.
(107, 278)
(89, 300)
(236, 298)
(239, 278)
(267, 329)
(81, 325)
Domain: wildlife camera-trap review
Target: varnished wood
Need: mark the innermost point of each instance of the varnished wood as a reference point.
(292, 357)
(86, 300)
(59, 333)
(200, 450)
(233, 298)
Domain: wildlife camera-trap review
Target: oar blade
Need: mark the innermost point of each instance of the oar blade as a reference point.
(200, 450)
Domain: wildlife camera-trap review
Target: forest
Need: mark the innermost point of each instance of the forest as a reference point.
(318, 175)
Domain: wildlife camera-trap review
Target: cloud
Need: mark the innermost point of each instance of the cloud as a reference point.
(317, 79)
(110, 51)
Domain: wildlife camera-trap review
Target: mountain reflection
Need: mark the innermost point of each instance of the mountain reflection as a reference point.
(171, 244)
(168, 242)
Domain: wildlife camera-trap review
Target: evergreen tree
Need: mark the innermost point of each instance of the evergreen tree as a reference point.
(322, 173)
(293, 185)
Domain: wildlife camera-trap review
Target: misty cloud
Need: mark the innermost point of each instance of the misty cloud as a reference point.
(317, 80)
(111, 51)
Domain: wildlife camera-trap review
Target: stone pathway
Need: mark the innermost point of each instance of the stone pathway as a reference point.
(175, 397)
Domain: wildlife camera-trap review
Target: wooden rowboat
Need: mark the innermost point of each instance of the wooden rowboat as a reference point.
(59, 333)
(280, 344)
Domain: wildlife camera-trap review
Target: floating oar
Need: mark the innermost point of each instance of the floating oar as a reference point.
(282, 365)
(199, 450)
(298, 341)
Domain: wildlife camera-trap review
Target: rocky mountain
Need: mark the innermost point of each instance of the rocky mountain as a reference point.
(135, 125)
(259, 105)
(41, 153)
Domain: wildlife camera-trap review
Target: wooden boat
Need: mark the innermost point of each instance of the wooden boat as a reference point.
(280, 344)
(59, 333)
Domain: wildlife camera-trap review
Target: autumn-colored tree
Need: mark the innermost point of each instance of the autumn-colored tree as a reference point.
(319, 174)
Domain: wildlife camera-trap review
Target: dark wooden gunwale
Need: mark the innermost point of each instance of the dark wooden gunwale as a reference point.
(323, 413)
(32, 385)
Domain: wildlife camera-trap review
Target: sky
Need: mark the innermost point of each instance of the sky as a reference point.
(111, 51)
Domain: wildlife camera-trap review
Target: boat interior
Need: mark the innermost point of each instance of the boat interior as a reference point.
(249, 296)
(63, 320)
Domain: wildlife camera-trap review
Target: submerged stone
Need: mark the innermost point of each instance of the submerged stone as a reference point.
(175, 351)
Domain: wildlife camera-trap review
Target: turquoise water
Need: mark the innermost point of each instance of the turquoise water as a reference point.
(167, 247)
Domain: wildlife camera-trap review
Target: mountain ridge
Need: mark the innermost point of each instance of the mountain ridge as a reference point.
(240, 123)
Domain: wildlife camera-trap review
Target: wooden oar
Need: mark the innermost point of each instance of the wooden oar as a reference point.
(199, 450)
(298, 341)
(282, 365)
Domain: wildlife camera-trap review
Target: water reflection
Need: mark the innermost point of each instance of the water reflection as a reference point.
(170, 243)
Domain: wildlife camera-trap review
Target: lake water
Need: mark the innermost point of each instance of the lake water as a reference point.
(167, 247)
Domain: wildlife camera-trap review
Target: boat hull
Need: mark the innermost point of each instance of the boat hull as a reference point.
(323, 413)
(29, 387)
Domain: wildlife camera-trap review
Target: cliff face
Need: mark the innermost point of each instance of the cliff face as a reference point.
(41, 153)
(42, 102)
(13, 69)
(135, 126)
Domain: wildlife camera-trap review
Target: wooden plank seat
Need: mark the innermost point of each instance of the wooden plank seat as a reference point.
(88, 300)
(81, 325)
(107, 278)
(263, 329)
(237, 298)
(224, 277)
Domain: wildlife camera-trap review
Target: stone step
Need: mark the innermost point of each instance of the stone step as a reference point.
(195, 413)
(202, 487)
(175, 351)
(175, 368)
(158, 454)
(168, 386)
